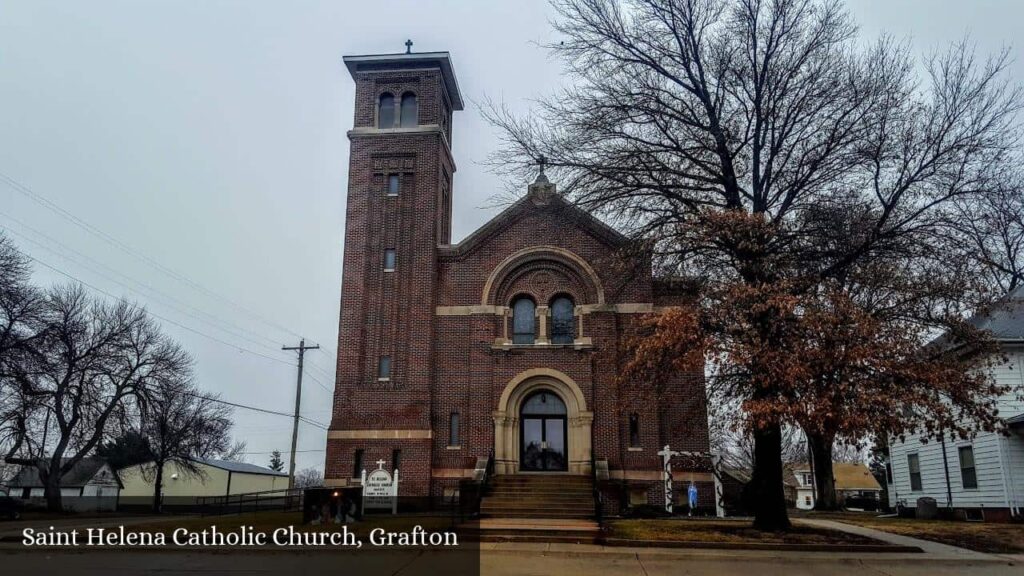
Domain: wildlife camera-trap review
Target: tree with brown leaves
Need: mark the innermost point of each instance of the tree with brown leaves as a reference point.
(719, 131)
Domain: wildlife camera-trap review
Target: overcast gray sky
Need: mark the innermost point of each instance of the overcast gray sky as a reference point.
(210, 138)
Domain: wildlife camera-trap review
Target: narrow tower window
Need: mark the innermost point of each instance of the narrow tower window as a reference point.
(634, 430)
(393, 185)
(384, 368)
(453, 429)
(409, 112)
(386, 111)
(563, 325)
(357, 463)
(389, 260)
(524, 321)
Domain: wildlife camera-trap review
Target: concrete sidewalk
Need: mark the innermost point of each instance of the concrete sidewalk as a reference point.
(931, 549)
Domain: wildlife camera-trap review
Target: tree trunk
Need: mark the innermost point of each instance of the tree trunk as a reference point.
(51, 490)
(158, 488)
(768, 496)
(824, 478)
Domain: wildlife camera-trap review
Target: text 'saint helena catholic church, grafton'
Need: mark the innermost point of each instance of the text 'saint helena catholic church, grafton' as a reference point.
(506, 342)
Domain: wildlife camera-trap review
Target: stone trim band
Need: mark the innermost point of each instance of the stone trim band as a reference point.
(489, 310)
(379, 434)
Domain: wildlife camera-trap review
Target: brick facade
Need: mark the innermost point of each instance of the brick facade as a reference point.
(443, 316)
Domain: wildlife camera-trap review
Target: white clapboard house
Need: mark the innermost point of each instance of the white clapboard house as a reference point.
(981, 478)
(90, 485)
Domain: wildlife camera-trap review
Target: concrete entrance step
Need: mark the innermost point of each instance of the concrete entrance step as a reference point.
(537, 513)
(553, 499)
(538, 530)
(573, 490)
(528, 479)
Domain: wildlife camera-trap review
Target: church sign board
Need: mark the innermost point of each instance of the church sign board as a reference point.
(380, 489)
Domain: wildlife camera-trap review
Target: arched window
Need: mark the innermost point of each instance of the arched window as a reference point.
(409, 112)
(543, 403)
(563, 320)
(386, 111)
(524, 321)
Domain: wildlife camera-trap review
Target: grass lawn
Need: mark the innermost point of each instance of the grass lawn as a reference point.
(269, 521)
(736, 531)
(980, 536)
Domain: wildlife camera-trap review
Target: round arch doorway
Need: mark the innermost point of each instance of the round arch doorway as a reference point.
(543, 430)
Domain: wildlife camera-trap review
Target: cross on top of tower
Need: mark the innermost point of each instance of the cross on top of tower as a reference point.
(408, 46)
(542, 178)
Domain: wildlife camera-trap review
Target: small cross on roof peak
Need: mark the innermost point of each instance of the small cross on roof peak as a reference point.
(408, 46)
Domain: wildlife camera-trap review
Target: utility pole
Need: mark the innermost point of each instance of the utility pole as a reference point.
(298, 398)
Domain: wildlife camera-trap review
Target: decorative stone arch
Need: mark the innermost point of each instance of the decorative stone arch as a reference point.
(524, 261)
(506, 419)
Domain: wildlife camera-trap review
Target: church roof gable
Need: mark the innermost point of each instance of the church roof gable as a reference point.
(542, 197)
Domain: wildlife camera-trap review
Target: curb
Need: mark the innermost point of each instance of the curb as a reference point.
(772, 546)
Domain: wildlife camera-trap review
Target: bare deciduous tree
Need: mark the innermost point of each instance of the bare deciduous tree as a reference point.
(995, 233)
(95, 361)
(715, 129)
(182, 426)
(234, 453)
(309, 478)
(21, 313)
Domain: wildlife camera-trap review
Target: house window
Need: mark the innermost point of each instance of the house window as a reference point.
(563, 325)
(386, 111)
(807, 500)
(524, 321)
(453, 429)
(393, 184)
(389, 260)
(888, 472)
(409, 112)
(396, 458)
(634, 430)
(968, 474)
(384, 368)
(357, 463)
(914, 464)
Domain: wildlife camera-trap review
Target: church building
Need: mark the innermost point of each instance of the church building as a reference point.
(505, 344)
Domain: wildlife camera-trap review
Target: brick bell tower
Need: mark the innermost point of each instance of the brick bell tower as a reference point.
(398, 212)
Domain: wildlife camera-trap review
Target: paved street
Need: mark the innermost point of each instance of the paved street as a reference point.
(506, 559)
(495, 560)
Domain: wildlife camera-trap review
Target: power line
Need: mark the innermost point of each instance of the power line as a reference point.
(177, 308)
(254, 408)
(319, 383)
(54, 207)
(164, 318)
(323, 372)
(272, 451)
